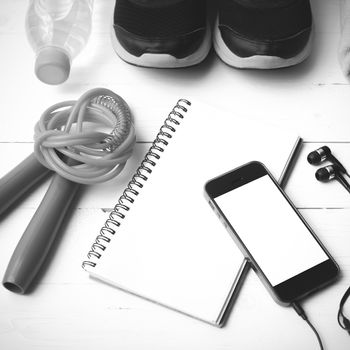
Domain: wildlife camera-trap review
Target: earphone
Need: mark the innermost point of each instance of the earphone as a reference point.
(329, 172)
(325, 174)
(322, 154)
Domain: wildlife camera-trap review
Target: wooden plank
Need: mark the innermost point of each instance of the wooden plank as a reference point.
(79, 233)
(102, 195)
(310, 99)
(67, 308)
(302, 187)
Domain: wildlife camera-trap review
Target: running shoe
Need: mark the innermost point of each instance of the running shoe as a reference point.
(263, 34)
(161, 34)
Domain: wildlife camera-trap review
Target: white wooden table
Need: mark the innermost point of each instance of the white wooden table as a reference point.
(67, 310)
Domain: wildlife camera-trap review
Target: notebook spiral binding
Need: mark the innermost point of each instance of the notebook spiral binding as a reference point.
(136, 183)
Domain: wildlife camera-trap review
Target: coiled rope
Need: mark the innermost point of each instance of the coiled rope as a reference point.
(86, 141)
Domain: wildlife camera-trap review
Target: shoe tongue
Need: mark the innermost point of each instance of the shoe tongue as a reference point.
(155, 3)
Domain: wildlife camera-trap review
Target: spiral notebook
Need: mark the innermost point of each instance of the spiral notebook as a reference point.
(162, 242)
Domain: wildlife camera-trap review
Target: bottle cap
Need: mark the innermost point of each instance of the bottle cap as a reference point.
(52, 66)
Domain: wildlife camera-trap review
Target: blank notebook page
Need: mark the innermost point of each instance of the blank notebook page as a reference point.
(171, 248)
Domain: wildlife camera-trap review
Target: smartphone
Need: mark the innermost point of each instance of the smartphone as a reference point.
(280, 245)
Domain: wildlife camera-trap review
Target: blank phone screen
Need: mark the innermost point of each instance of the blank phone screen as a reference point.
(272, 232)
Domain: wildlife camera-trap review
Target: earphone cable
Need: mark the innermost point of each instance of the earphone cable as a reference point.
(300, 311)
(342, 320)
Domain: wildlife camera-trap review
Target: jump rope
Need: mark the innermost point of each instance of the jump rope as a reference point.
(86, 141)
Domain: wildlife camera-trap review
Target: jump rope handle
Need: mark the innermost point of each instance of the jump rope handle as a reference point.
(19, 180)
(42, 230)
(39, 235)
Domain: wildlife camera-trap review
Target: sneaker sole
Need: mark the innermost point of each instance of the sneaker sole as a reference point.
(257, 61)
(163, 60)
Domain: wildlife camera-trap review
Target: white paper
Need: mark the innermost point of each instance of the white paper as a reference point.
(171, 248)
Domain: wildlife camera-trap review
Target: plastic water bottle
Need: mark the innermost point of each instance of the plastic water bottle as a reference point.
(57, 31)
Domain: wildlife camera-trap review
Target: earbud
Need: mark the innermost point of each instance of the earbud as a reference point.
(322, 154)
(331, 172)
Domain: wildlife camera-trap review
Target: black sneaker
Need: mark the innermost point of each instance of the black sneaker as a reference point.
(161, 34)
(263, 34)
